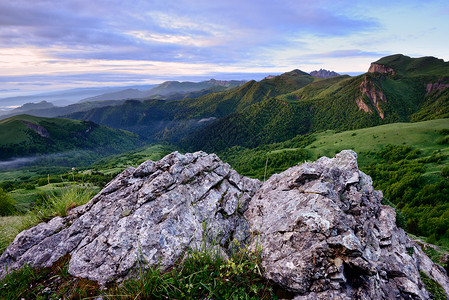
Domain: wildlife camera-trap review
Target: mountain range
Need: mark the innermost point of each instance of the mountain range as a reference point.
(61, 98)
(321, 73)
(169, 90)
(396, 88)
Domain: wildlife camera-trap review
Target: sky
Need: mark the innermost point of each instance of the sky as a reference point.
(62, 44)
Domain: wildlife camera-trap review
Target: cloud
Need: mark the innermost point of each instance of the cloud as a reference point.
(347, 53)
(126, 41)
(205, 30)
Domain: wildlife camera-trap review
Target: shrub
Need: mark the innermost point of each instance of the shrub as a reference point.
(7, 205)
(444, 131)
(445, 171)
(443, 140)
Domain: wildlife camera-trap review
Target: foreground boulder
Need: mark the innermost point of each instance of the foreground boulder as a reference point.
(324, 234)
(147, 215)
(321, 228)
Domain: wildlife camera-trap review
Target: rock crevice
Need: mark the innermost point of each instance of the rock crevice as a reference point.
(321, 228)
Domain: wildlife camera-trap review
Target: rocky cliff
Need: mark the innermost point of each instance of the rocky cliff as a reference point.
(378, 68)
(321, 227)
(322, 73)
(376, 97)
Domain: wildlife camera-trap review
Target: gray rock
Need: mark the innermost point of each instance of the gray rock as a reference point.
(145, 216)
(324, 234)
(321, 228)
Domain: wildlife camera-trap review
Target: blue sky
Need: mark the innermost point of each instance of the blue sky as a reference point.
(54, 45)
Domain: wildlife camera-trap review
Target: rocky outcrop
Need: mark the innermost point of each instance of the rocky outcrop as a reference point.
(40, 130)
(324, 234)
(368, 89)
(145, 216)
(322, 73)
(377, 68)
(321, 228)
(436, 86)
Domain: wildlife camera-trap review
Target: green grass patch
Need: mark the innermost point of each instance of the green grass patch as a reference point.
(9, 228)
(47, 283)
(433, 287)
(202, 274)
(421, 135)
(58, 205)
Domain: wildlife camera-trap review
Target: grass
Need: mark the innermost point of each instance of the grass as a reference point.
(203, 274)
(58, 205)
(9, 228)
(55, 205)
(420, 135)
(433, 287)
(27, 198)
(47, 283)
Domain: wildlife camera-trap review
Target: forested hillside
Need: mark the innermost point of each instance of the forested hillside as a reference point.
(339, 103)
(396, 89)
(162, 120)
(25, 135)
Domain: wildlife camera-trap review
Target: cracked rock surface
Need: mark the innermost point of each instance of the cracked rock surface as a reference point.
(325, 235)
(321, 228)
(147, 215)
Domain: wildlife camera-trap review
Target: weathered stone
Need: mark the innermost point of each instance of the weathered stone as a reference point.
(324, 234)
(321, 227)
(145, 216)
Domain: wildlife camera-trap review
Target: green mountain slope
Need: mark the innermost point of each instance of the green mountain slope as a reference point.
(422, 66)
(381, 96)
(25, 135)
(173, 87)
(396, 89)
(409, 162)
(156, 119)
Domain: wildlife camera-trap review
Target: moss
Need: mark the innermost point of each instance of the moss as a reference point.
(433, 287)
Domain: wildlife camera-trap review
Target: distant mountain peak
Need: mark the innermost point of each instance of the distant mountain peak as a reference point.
(29, 106)
(322, 73)
(296, 72)
(406, 66)
(172, 87)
